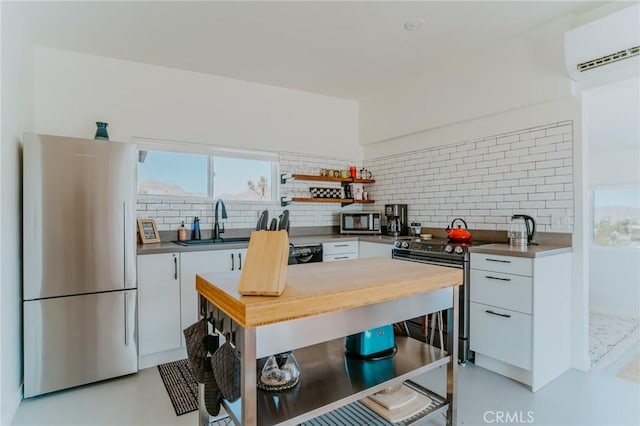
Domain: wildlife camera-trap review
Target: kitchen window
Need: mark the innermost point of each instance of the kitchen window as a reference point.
(616, 217)
(205, 173)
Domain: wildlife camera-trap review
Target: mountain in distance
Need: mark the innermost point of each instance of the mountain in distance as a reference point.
(154, 187)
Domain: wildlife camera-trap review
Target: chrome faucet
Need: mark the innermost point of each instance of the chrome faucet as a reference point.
(216, 226)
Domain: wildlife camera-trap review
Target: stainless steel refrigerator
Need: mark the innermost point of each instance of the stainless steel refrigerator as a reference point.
(79, 295)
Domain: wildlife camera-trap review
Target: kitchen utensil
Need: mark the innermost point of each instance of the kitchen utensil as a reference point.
(263, 220)
(284, 221)
(280, 372)
(265, 267)
(459, 233)
(530, 223)
(274, 224)
(225, 364)
(394, 397)
(373, 343)
(196, 351)
(416, 405)
(517, 233)
(416, 227)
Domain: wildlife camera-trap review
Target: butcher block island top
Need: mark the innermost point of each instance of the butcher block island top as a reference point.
(318, 288)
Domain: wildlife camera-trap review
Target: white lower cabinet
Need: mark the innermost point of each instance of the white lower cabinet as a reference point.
(367, 249)
(339, 250)
(168, 301)
(502, 334)
(520, 316)
(158, 302)
(194, 262)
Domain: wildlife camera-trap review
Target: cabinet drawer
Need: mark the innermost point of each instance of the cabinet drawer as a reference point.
(340, 247)
(505, 264)
(501, 334)
(507, 291)
(340, 256)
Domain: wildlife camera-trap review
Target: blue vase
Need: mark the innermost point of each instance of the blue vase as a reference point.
(101, 131)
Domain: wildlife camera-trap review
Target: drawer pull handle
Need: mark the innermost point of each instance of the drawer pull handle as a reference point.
(341, 257)
(500, 315)
(341, 245)
(498, 260)
(497, 278)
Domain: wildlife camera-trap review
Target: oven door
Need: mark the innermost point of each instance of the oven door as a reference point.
(419, 328)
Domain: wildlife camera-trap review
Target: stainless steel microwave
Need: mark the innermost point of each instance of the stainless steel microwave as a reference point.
(360, 223)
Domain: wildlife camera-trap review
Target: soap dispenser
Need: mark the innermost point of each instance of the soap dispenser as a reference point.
(182, 233)
(195, 232)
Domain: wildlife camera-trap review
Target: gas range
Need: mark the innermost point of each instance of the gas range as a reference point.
(447, 253)
(415, 249)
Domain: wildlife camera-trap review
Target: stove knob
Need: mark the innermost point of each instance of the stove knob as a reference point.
(397, 244)
(448, 249)
(405, 244)
(459, 250)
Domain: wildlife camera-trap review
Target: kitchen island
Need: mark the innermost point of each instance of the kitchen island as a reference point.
(321, 304)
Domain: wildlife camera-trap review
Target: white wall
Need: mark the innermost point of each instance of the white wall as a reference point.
(17, 107)
(72, 91)
(485, 180)
(612, 124)
(522, 72)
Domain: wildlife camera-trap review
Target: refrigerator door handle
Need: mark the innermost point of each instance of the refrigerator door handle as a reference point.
(126, 319)
(124, 243)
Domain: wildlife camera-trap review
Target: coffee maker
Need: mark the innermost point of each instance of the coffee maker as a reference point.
(396, 219)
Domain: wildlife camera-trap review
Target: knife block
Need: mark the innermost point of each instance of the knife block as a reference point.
(265, 267)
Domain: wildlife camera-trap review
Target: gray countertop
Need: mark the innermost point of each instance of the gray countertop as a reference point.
(171, 247)
(495, 248)
(504, 249)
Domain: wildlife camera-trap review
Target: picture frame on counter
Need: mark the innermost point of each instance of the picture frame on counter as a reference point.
(148, 231)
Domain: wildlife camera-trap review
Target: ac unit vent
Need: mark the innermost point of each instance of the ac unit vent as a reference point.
(614, 57)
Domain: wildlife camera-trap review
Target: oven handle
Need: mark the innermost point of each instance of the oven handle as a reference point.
(432, 262)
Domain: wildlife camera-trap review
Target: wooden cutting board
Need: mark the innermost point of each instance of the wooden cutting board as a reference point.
(418, 404)
(265, 266)
(394, 400)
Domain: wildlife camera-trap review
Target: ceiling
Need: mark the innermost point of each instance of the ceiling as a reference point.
(342, 49)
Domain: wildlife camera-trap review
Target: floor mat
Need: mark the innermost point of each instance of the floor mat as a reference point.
(610, 337)
(181, 386)
(631, 371)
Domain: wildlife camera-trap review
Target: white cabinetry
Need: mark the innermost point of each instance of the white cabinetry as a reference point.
(520, 315)
(339, 250)
(368, 249)
(158, 302)
(194, 262)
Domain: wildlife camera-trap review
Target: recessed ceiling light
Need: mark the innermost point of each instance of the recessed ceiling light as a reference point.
(414, 24)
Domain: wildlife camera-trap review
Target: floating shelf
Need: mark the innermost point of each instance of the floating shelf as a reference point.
(285, 201)
(287, 177)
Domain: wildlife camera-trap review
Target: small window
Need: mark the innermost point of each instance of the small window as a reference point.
(173, 174)
(243, 179)
(206, 173)
(616, 217)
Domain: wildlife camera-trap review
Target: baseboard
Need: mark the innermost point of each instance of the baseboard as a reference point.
(11, 408)
(511, 371)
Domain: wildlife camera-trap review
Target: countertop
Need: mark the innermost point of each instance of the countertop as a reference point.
(503, 249)
(317, 288)
(171, 247)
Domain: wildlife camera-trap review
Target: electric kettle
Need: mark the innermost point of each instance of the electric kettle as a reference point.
(530, 224)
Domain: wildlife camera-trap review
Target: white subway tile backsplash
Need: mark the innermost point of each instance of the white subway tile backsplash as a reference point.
(484, 180)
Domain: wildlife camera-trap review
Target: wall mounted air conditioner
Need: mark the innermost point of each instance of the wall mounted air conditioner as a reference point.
(604, 45)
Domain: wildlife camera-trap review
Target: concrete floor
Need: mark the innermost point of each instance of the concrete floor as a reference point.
(595, 398)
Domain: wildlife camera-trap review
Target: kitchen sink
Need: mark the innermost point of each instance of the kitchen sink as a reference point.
(234, 240)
